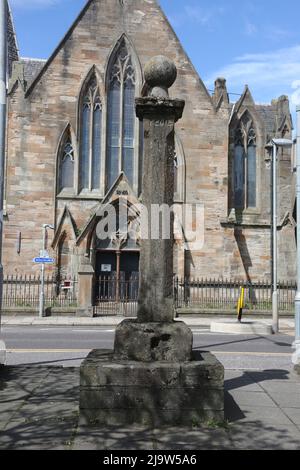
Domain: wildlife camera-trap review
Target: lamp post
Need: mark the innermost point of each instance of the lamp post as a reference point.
(277, 143)
(42, 291)
(296, 355)
(3, 80)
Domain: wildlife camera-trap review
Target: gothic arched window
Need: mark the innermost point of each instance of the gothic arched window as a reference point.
(66, 164)
(245, 165)
(121, 119)
(90, 137)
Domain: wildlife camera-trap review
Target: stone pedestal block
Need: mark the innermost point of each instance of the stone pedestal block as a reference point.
(85, 290)
(85, 312)
(155, 393)
(149, 342)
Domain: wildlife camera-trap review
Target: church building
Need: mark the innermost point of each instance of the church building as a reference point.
(74, 145)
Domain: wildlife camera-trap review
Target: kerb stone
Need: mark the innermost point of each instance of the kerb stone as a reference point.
(2, 353)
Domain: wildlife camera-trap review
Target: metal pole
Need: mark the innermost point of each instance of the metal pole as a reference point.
(296, 355)
(3, 95)
(42, 292)
(275, 320)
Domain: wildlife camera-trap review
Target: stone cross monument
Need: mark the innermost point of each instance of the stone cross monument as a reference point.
(153, 376)
(155, 335)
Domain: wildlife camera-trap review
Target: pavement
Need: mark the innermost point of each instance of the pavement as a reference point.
(39, 408)
(39, 411)
(285, 324)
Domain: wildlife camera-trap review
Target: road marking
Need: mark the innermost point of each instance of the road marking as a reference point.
(250, 353)
(203, 330)
(47, 351)
(93, 331)
(60, 351)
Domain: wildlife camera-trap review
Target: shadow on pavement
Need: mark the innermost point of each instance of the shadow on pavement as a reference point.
(39, 410)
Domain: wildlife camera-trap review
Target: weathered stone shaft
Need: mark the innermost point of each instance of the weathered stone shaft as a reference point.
(156, 259)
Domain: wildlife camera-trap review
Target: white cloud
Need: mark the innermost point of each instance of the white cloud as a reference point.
(295, 96)
(268, 74)
(205, 16)
(33, 3)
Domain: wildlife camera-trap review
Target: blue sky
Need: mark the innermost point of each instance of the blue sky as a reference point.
(254, 42)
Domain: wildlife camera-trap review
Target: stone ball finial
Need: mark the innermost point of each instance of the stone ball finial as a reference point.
(160, 74)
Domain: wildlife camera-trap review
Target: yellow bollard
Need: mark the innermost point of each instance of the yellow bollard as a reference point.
(241, 304)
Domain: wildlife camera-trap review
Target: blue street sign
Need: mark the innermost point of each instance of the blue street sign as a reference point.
(43, 260)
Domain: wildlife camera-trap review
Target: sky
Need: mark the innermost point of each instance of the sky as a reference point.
(253, 42)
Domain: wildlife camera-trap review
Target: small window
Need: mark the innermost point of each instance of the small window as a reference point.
(66, 173)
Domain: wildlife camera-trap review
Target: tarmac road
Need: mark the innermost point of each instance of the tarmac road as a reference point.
(68, 346)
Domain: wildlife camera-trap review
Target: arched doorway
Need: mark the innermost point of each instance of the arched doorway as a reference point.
(117, 266)
(117, 275)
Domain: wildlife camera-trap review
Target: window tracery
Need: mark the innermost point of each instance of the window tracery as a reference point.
(66, 164)
(122, 121)
(245, 164)
(91, 137)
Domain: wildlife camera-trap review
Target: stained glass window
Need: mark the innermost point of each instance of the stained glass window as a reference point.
(114, 126)
(121, 117)
(239, 176)
(91, 137)
(66, 176)
(245, 162)
(251, 176)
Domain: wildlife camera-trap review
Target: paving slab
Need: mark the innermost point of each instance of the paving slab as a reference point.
(240, 380)
(113, 438)
(259, 435)
(39, 435)
(170, 438)
(254, 413)
(38, 410)
(286, 399)
(262, 409)
(285, 375)
(274, 386)
(293, 414)
(261, 399)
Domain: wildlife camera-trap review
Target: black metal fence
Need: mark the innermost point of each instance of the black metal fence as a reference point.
(24, 291)
(116, 296)
(119, 297)
(223, 294)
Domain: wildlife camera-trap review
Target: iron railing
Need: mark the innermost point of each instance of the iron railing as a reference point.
(24, 291)
(116, 296)
(120, 297)
(223, 294)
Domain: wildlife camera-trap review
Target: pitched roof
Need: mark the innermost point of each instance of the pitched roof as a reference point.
(32, 67)
(12, 44)
(268, 115)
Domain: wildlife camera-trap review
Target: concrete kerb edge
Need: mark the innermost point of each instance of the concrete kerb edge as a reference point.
(2, 353)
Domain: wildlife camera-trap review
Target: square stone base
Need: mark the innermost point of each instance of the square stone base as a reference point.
(154, 394)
